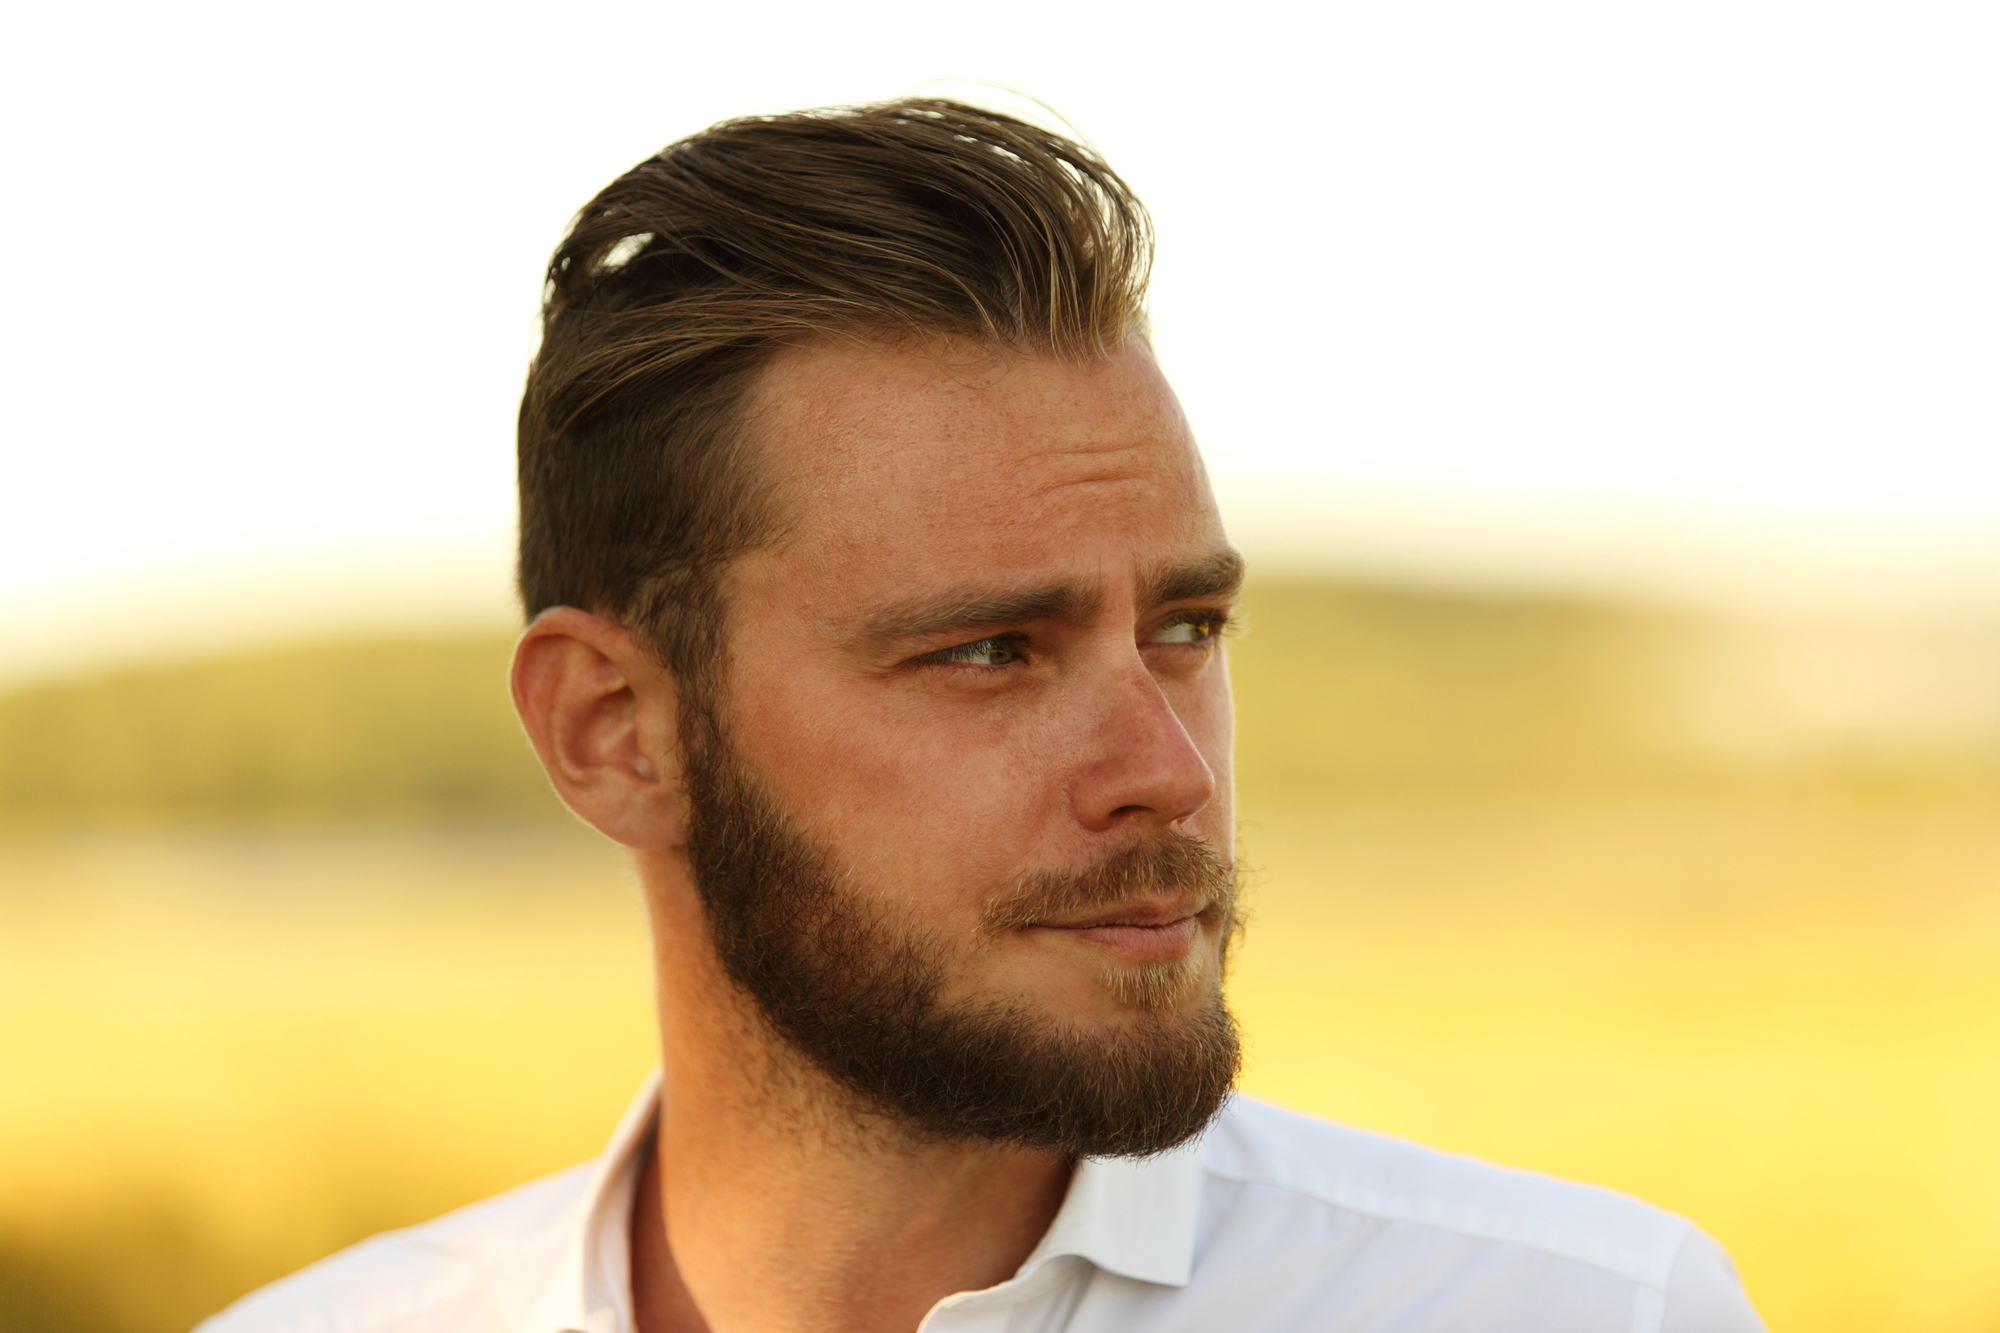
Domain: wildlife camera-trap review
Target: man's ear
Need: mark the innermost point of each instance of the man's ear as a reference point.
(603, 717)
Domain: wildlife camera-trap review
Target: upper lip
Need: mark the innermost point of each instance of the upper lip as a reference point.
(1157, 911)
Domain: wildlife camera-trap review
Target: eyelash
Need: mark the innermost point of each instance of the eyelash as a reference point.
(1218, 623)
(942, 657)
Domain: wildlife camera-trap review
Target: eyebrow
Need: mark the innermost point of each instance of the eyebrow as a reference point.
(968, 612)
(1218, 574)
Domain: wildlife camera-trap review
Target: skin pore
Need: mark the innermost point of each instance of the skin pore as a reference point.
(984, 648)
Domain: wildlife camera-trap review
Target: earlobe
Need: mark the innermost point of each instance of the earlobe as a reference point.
(602, 718)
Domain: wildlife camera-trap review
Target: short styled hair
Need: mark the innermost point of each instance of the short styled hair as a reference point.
(912, 218)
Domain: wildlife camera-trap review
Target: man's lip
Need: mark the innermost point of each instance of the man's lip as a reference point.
(1149, 912)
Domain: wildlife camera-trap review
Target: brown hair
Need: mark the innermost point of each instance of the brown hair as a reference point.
(915, 217)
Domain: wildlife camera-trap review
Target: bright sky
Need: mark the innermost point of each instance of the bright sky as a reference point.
(1699, 297)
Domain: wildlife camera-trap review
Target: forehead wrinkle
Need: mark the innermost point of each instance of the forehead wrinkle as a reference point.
(1123, 441)
(1124, 461)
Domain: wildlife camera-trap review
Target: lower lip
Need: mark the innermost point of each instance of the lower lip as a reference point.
(1140, 943)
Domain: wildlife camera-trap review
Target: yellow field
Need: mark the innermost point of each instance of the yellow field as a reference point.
(228, 1053)
(1782, 1021)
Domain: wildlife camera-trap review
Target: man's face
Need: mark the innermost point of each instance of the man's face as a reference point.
(980, 679)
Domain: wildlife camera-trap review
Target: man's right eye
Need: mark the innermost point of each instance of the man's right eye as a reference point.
(986, 652)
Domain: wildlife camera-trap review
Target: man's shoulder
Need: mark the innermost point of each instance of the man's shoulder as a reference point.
(476, 1270)
(1376, 1178)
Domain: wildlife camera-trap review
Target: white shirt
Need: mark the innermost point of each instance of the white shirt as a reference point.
(1271, 1222)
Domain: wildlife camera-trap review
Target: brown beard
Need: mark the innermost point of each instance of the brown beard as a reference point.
(859, 997)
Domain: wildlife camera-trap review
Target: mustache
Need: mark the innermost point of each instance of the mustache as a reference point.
(1173, 862)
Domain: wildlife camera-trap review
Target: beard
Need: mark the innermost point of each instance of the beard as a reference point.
(859, 995)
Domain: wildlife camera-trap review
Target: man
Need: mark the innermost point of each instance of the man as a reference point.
(877, 603)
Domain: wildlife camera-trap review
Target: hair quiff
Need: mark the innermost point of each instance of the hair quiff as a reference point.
(917, 217)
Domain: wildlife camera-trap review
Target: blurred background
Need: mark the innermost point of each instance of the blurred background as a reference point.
(1604, 395)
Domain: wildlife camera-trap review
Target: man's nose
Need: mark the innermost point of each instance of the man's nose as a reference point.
(1139, 763)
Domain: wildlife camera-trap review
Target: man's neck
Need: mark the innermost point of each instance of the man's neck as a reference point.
(769, 1205)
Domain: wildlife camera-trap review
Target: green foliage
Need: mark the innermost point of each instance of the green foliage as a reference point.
(384, 729)
(1341, 685)
(142, 1269)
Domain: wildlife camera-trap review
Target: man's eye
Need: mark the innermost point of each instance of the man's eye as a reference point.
(986, 652)
(1184, 631)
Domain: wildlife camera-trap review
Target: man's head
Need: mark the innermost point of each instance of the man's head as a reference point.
(896, 595)
(686, 275)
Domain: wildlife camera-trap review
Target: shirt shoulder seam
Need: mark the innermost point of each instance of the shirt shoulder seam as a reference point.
(1681, 1225)
(463, 1282)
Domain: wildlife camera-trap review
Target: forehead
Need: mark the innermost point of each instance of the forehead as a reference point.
(944, 461)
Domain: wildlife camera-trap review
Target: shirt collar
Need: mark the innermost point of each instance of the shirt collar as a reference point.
(591, 1288)
(1132, 1216)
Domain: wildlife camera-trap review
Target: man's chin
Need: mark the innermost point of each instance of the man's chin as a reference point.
(1144, 1078)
